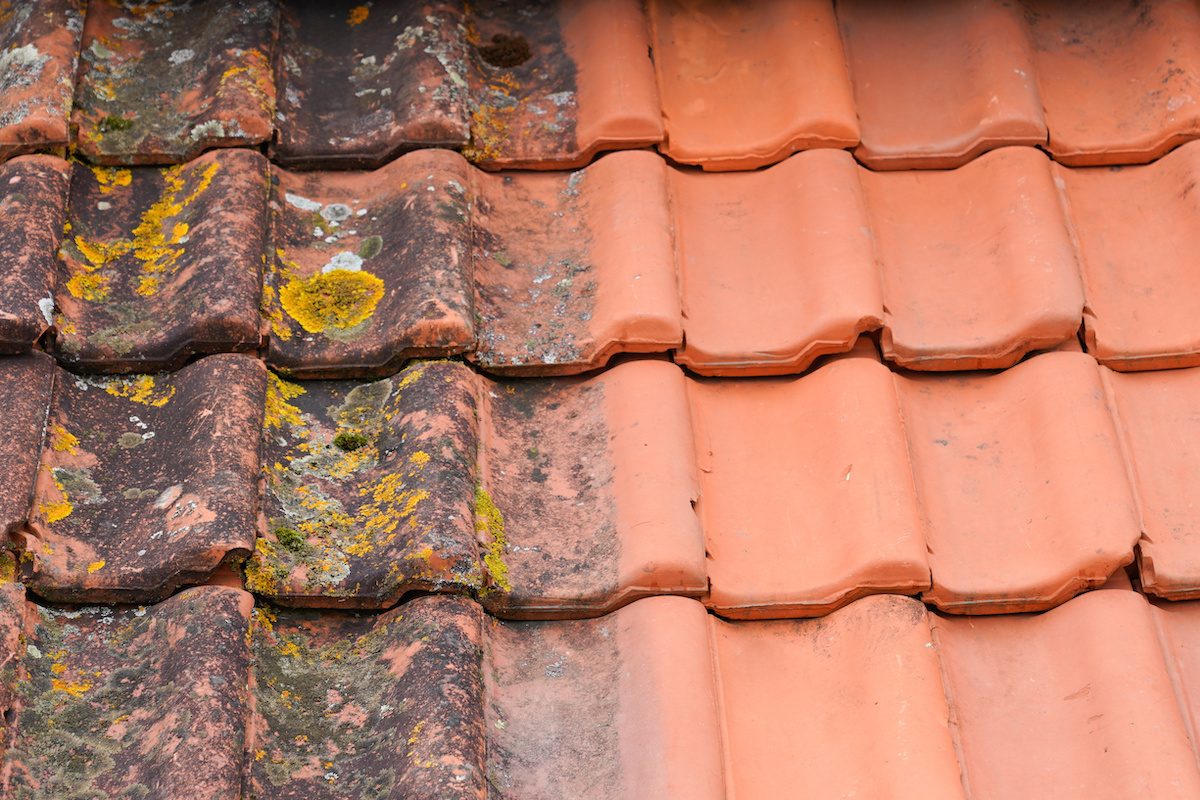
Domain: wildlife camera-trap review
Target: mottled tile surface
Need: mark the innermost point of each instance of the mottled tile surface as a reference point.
(146, 482)
(25, 386)
(39, 48)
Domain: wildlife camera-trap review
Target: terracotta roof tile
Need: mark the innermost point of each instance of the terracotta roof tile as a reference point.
(39, 48)
(25, 385)
(33, 202)
(159, 84)
(162, 264)
(146, 482)
(743, 90)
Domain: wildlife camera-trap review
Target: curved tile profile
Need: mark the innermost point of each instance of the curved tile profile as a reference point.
(974, 88)
(1075, 702)
(39, 48)
(803, 517)
(127, 702)
(572, 268)
(1156, 414)
(776, 267)
(1021, 482)
(25, 385)
(369, 489)
(160, 84)
(552, 83)
(158, 265)
(979, 286)
(146, 482)
(740, 90)
(360, 82)
(1136, 233)
(1121, 82)
(33, 205)
(388, 706)
(370, 269)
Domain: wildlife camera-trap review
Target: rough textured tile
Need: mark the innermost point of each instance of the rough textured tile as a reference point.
(39, 48)
(552, 83)
(1137, 236)
(387, 706)
(978, 264)
(1024, 492)
(33, 204)
(360, 82)
(619, 707)
(132, 702)
(973, 89)
(776, 267)
(1120, 82)
(369, 489)
(742, 88)
(1156, 413)
(162, 82)
(1076, 702)
(25, 386)
(850, 705)
(159, 265)
(372, 268)
(146, 482)
(807, 495)
(571, 268)
(586, 490)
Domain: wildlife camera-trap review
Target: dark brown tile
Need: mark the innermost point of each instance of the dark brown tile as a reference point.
(25, 386)
(39, 48)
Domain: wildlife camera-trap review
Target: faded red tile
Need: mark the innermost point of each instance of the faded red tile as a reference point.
(146, 482)
(776, 267)
(161, 83)
(25, 386)
(33, 204)
(590, 483)
(1120, 82)
(743, 87)
(388, 706)
(801, 517)
(973, 88)
(127, 702)
(360, 82)
(1136, 232)
(370, 269)
(1156, 413)
(1021, 481)
(850, 705)
(39, 48)
(978, 265)
(370, 489)
(159, 265)
(554, 83)
(1075, 702)
(572, 268)
(1179, 635)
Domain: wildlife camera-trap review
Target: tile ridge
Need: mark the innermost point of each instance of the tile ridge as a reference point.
(1173, 673)
(711, 621)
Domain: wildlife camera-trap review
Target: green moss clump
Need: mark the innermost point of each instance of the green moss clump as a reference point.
(291, 539)
(350, 441)
(112, 123)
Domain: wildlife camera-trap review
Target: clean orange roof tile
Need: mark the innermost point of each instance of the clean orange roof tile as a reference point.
(740, 90)
(1021, 481)
(39, 48)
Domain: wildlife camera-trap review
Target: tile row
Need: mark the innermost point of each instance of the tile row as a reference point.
(551, 84)
(349, 274)
(570, 497)
(209, 697)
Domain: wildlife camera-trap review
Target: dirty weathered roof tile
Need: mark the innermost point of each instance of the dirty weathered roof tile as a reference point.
(39, 48)
(162, 82)
(25, 385)
(146, 482)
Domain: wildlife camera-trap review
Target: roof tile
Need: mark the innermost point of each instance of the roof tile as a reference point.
(39, 48)
(743, 90)
(146, 482)
(159, 84)
(25, 385)
(33, 203)
(162, 264)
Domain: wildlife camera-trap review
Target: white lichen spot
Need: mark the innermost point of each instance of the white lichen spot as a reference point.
(168, 497)
(46, 306)
(345, 260)
(302, 203)
(21, 66)
(336, 212)
(103, 205)
(181, 56)
(33, 651)
(213, 128)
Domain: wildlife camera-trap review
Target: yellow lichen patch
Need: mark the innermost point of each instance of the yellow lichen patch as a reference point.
(489, 523)
(56, 510)
(109, 178)
(95, 566)
(420, 458)
(279, 411)
(358, 15)
(147, 286)
(262, 573)
(62, 440)
(253, 77)
(274, 314)
(289, 649)
(337, 299)
(140, 389)
(73, 688)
